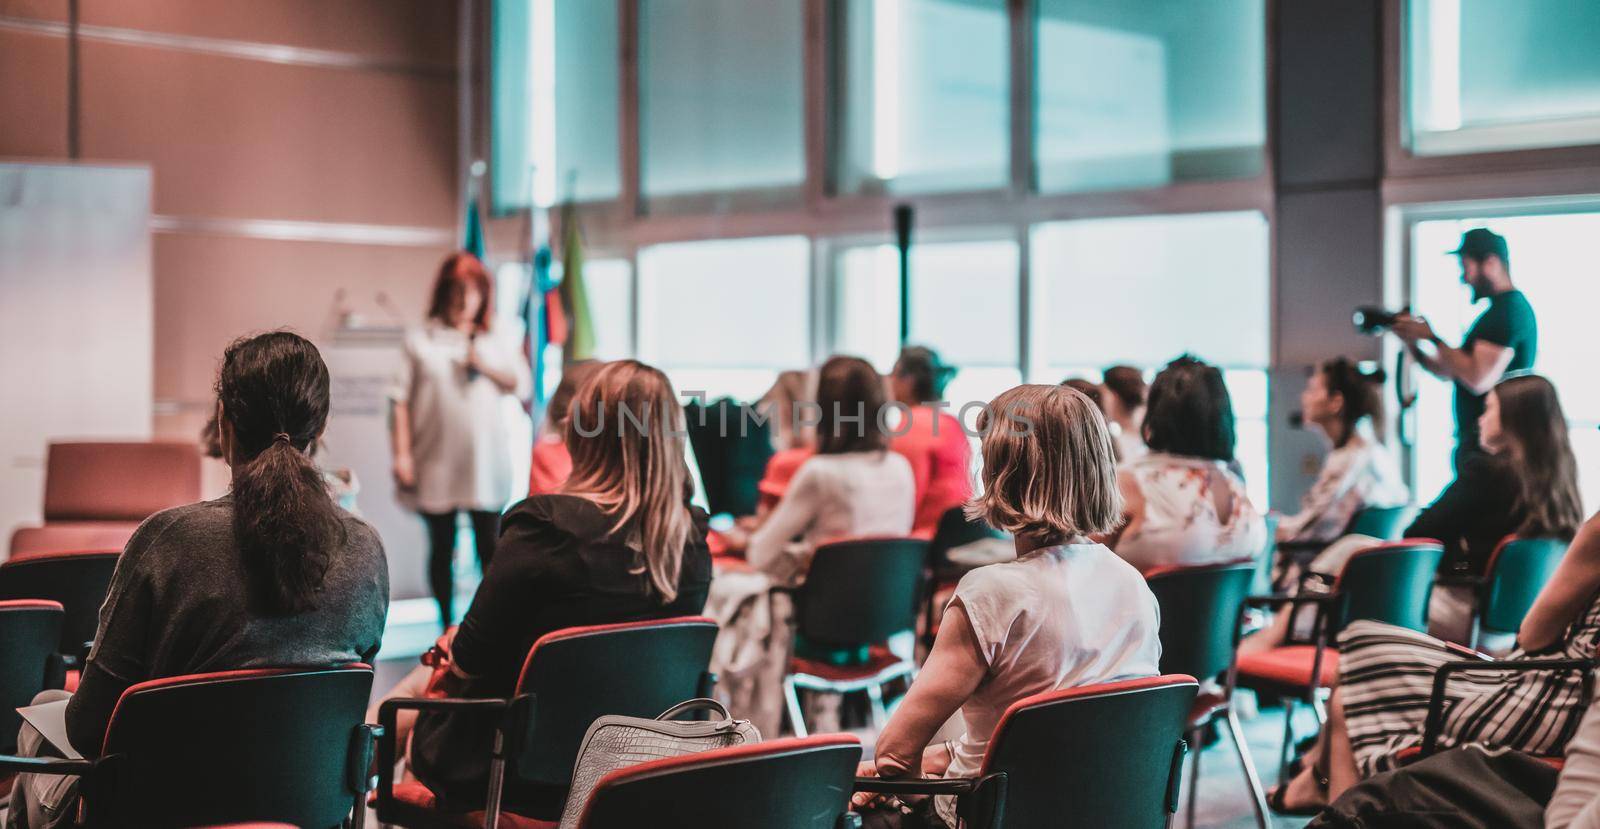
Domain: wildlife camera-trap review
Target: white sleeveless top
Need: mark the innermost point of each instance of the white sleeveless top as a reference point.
(1059, 617)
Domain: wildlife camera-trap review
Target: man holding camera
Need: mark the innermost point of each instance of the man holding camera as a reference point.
(1504, 338)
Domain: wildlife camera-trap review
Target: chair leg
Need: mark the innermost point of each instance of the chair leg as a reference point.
(791, 701)
(1258, 798)
(879, 715)
(1197, 743)
(1288, 740)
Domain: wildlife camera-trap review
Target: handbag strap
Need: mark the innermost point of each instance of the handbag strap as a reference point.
(700, 704)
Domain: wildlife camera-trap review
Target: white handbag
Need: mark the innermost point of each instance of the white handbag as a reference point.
(615, 742)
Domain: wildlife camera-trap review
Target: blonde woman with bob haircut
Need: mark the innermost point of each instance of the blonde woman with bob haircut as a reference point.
(1066, 612)
(618, 542)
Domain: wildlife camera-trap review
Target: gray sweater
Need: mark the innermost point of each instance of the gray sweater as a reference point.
(179, 604)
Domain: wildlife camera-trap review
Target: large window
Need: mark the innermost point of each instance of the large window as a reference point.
(720, 97)
(964, 304)
(554, 70)
(1497, 75)
(1142, 93)
(924, 86)
(724, 317)
(1549, 263)
(1141, 291)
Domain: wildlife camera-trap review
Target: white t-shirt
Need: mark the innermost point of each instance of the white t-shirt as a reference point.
(833, 498)
(460, 424)
(1059, 617)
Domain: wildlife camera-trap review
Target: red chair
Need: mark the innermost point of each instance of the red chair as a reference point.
(96, 493)
(570, 678)
(857, 594)
(273, 745)
(1105, 755)
(78, 581)
(1200, 609)
(1388, 582)
(29, 631)
(797, 783)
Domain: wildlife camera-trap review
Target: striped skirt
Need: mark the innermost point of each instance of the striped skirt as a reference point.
(1386, 679)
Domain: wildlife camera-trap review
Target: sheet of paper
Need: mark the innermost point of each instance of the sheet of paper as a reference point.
(50, 720)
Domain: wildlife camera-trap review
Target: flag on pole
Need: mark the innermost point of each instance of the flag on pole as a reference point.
(574, 295)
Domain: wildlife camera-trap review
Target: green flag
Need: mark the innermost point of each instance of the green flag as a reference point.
(580, 337)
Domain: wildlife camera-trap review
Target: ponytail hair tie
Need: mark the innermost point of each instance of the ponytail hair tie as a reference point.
(283, 437)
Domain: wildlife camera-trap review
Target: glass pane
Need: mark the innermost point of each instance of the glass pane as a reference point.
(697, 299)
(1548, 256)
(555, 94)
(1188, 101)
(720, 96)
(1195, 283)
(609, 283)
(925, 95)
(866, 305)
(1493, 75)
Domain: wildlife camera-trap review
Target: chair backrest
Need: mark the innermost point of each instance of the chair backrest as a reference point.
(956, 529)
(1381, 522)
(71, 537)
(1518, 569)
(270, 745)
(111, 481)
(1262, 584)
(1107, 755)
(1199, 614)
(576, 675)
(779, 784)
(77, 580)
(1390, 582)
(861, 592)
(29, 631)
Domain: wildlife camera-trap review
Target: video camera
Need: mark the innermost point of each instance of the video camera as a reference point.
(1373, 320)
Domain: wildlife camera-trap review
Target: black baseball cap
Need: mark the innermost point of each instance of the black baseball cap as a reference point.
(1480, 242)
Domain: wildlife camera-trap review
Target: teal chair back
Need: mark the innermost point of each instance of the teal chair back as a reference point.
(1199, 615)
(1262, 584)
(1386, 523)
(1518, 569)
(1390, 583)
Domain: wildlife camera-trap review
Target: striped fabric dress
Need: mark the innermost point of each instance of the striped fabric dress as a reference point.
(1386, 679)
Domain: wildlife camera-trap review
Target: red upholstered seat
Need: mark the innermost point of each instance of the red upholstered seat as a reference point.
(1289, 666)
(417, 796)
(71, 536)
(878, 659)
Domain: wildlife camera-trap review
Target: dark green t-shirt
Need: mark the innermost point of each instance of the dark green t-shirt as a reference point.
(1509, 322)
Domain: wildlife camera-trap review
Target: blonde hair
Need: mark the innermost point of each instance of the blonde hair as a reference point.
(626, 439)
(1048, 468)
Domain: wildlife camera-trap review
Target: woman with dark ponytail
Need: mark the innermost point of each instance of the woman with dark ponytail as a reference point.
(272, 574)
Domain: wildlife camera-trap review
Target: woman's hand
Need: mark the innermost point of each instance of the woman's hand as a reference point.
(405, 471)
(885, 767)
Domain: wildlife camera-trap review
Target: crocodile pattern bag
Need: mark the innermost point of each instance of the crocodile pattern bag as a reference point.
(615, 742)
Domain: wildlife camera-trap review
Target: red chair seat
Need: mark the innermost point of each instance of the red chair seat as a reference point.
(1289, 666)
(879, 659)
(414, 795)
(1206, 707)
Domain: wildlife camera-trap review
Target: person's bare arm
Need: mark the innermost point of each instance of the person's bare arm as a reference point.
(1478, 367)
(954, 669)
(405, 472)
(1566, 594)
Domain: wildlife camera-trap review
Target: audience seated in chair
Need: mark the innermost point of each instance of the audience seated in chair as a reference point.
(1122, 400)
(1185, 503)
(618, 542)
(1525, 482)
(1066, 613)
(931, 439)
(272, 574)
(1379, 706)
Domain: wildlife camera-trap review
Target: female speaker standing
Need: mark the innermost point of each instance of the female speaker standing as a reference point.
(450, 435)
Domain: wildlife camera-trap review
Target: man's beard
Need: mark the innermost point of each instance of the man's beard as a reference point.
(1480, 290)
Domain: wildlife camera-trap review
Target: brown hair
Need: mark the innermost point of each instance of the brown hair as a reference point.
(1190, 412)
(459, 270)
(1541, 455)
(626, 441)
(1361, 391)
(927, 374)
(1127, 383)
(1085, 388)
(851, 396)
(1048, 468)
(273, 395)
